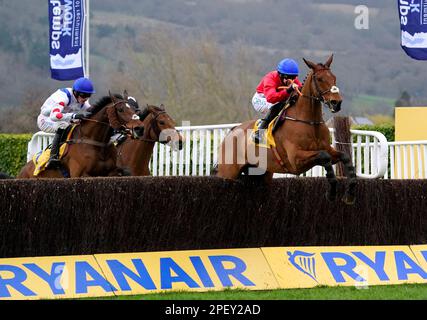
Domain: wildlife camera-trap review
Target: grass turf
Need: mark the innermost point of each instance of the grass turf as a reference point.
(393, 292)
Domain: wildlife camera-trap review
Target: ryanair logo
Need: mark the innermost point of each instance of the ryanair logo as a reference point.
(304, 262)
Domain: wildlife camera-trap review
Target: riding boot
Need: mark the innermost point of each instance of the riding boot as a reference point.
(271, 114)
(54, 161)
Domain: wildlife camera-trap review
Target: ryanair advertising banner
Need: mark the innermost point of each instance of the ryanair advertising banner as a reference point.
(52, 278)
(135, 273)
(66, 30)
(206, 270)
(413, 24)
(306, 267)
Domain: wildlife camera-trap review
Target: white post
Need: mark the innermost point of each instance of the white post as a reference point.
(87, 16)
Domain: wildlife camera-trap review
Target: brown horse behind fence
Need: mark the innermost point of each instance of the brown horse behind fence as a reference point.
(302, 141)
(90, 152)
(135, 154)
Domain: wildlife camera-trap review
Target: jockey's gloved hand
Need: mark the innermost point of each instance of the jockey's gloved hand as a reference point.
(81, 115)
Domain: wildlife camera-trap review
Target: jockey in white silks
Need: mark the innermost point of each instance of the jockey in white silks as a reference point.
(60, 109)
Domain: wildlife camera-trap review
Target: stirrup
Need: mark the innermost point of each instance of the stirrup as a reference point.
(256, 136)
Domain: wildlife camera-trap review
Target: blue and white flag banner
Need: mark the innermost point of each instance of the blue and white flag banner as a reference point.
(66, 39)
(413, 24)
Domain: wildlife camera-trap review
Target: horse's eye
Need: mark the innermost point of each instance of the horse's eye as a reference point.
(320, 79)
(162, 123)
(121, 110)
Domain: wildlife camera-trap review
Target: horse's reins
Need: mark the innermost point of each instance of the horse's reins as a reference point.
(94, 142)
(320, 98)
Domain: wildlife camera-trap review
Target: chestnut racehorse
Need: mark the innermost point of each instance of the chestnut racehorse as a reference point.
(135, 154)
(302, 141)
(90, 152)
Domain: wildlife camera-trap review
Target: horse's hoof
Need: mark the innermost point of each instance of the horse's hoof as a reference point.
(349, 200)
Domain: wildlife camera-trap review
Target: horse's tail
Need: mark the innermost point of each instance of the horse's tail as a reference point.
(5, 176)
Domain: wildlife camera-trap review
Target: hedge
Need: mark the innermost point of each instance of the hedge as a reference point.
(50, 217)
(385, 129)
(13, 152)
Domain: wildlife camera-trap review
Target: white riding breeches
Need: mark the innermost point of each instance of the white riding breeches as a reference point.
(260, 103)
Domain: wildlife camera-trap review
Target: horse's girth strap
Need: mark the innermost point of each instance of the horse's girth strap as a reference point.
(89, 141)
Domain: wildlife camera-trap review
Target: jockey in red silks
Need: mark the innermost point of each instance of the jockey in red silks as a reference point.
(64, 106)
(272, 92)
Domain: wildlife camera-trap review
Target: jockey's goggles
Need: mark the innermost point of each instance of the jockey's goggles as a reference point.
(289, 76)
(84, 95)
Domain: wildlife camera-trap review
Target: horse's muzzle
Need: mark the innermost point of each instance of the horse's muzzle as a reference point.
(334, 105)
(176, 145)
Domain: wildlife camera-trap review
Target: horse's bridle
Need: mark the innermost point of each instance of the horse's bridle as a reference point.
(319, 96)
(122, 130)
(155, 127)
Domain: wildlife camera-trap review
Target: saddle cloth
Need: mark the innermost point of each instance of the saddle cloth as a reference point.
(41, 158)
(267, 139)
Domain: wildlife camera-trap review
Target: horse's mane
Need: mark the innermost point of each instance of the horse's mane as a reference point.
(156, 108)
(101, 103)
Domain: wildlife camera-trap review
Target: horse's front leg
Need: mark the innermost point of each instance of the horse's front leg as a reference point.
(349, 171)
(305, 160)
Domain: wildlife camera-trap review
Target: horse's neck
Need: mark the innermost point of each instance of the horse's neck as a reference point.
(307, 108)
(98, 129)
(141, 152)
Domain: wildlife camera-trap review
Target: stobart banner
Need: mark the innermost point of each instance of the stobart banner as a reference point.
(205, 270)
(66, 31)
(413, 24)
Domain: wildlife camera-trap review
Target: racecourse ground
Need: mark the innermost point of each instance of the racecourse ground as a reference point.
(393, 292)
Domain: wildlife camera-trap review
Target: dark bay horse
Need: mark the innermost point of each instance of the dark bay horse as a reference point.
(90, 152)
(135, 154)
(302, 141)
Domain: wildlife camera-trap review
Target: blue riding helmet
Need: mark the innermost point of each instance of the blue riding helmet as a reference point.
(288, 67)
(83, 85)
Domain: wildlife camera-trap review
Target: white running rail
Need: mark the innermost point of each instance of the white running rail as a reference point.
(370, 152)
(408, 160)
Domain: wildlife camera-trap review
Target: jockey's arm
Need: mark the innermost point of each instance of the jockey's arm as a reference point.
(56, 113)
(272, 94)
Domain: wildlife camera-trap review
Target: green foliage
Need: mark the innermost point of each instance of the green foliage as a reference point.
(385, 129)
(13, 152)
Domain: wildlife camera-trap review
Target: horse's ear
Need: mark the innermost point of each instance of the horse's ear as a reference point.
(162, 106)
(125, 94)
(310, 64)
(328, 63)
(113, 98)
